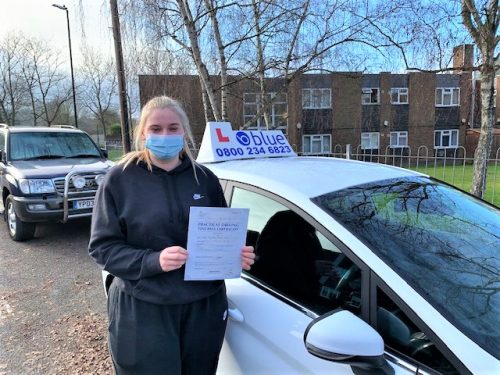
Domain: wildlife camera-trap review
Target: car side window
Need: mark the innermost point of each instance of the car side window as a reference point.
(295, 260)
(402, 335)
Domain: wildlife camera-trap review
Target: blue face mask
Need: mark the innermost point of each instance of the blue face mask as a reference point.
(164, 147)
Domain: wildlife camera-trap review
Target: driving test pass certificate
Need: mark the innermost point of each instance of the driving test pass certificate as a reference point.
(215, 238)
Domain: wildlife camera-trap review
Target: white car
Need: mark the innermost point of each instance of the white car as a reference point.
(361, 268)
(346, 249)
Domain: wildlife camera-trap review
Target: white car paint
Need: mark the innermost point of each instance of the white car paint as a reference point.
(251, 344)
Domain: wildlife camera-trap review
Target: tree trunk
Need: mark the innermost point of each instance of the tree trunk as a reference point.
(196, 54)
(206, 108)
(482, 25)
(485, 142)
(263, 102)
(222, 59)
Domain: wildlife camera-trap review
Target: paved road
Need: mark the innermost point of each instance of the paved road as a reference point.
(52, 307)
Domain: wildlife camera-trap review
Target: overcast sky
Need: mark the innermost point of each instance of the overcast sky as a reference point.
(40, 19)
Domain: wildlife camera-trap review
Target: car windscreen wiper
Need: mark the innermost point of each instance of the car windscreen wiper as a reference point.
(83, 156)
(43, 157)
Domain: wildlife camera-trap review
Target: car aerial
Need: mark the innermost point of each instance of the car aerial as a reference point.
(47, 174)
(360, 268)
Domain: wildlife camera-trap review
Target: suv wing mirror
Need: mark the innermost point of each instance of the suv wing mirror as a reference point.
(104, 152)
(3, 156)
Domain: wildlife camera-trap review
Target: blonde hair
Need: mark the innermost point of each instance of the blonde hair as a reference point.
(141, 154)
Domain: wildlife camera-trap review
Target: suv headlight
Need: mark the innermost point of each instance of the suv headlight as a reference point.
(36, 186)
(78, 181)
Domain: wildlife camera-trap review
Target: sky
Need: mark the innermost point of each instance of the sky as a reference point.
(38, 18)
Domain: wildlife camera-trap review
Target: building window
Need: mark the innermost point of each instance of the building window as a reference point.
(399, 95)
(317, 144)
(370, 141)
(370, 96)
(316, 98)
(446, 139)
(447, 97)
(399, 139)
(278, 111)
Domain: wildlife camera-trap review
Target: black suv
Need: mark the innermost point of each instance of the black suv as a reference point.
(47, 174)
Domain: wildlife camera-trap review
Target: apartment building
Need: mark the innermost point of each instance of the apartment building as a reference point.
(321, 113)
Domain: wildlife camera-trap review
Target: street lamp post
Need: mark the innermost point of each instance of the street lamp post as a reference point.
(63, 7)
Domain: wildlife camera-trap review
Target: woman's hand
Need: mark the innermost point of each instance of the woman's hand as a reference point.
(247, 257)
(172, 258)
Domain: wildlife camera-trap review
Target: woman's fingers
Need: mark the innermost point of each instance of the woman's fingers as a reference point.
(247, 257)
(172, 258)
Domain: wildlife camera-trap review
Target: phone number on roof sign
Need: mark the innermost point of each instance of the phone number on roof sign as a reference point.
(252, 150)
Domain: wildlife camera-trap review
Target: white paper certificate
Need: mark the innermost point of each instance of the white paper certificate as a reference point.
(215, 238)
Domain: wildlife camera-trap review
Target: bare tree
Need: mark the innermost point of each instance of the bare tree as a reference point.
(481, 20)
(49, 87)
(417, 35)
(30, 75)
(301, 36)
(162, 22)
(99, 91)
(424, 33)
(192, 30)
(12, 88)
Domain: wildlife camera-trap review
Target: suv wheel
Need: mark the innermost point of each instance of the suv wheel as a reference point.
(18, 230)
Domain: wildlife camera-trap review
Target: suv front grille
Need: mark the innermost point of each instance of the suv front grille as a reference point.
(90, 185)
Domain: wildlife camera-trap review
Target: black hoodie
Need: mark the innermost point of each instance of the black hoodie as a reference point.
(138, 213)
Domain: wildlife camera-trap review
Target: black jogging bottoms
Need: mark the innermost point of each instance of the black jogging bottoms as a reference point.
(151, 339)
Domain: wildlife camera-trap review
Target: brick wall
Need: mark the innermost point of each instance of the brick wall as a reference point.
(346, 103)
(186, 89)
(347, 118)
(463, 56)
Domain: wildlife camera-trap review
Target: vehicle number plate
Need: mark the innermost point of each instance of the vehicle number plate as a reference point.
(88, 203)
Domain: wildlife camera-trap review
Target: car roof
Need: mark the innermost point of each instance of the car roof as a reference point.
(42, 129)
(308, 175)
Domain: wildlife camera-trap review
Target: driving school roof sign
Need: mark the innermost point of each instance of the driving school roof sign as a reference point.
(220, 142)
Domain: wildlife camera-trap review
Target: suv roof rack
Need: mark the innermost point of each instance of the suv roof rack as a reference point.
(63, 126)
(4, 126)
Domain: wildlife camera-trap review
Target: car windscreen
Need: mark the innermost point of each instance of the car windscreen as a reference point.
(50, 145)
(445, 243)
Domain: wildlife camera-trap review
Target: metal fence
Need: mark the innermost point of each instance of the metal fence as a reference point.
(451, 165)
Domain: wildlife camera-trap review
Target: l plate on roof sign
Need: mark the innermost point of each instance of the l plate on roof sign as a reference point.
(220, 142)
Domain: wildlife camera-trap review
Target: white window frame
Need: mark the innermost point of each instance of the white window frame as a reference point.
(400, 92)
(446, 133)
(401, 139)
(367, 93)
(325, 139)
(370, 140)
(274, 114)
(443, 92)
(325, 98)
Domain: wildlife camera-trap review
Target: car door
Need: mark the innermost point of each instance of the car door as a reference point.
(298, 275)
(409, 343)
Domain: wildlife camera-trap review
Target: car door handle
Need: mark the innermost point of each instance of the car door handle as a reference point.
(235, 314)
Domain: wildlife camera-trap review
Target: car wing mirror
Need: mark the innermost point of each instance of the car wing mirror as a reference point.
(3, 156)
(342, 337)
(104, 153)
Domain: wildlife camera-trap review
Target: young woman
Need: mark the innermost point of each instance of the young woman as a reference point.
(158, 323)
